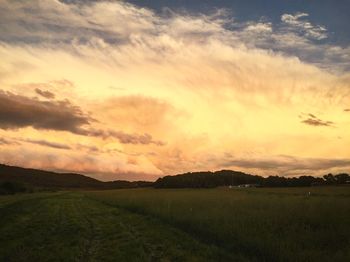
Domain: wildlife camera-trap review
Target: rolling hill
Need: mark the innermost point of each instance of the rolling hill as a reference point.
(34, 178)
(47, 179)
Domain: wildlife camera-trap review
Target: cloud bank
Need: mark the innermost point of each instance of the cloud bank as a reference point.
(162, 93)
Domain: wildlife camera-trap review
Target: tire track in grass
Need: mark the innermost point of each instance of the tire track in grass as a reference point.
(87, 249)
(90, 244)
(130, 234)
(155, 252)
(148, 233)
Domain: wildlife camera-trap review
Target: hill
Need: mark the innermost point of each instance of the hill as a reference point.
(18, 179)
(46, 179)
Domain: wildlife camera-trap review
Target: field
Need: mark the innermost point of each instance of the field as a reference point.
(282, 224)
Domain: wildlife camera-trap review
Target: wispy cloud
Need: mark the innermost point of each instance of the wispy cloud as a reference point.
(47, 143)
(298, 22)
(77, 24)
(313, 120)
(45, 93)
(259, 27)
(124, 138)
(291, 165)
(4, 141)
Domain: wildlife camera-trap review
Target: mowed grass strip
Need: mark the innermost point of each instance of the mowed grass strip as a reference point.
(72, 227)
(282, 224)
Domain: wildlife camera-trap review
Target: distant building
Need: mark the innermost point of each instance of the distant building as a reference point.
(248, 185)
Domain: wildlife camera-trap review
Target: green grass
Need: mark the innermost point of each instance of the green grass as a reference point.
(72, 227)
(282, 224)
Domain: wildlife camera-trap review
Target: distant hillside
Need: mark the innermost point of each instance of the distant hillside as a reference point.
(46, 179)
(12, 179)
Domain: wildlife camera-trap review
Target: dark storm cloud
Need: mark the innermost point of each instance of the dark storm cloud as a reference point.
(313, 120)
(18, 111)
(45, 93)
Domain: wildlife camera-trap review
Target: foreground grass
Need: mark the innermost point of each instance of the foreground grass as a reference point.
(177, 225)
(284, 224)
(72, 227)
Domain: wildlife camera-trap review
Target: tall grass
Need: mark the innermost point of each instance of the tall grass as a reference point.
(286, 224)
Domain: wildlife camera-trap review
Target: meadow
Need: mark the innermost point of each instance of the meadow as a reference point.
(250, 224)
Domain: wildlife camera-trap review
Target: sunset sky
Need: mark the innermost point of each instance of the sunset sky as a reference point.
(142, 89)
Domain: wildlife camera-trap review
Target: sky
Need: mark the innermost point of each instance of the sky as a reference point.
(142, 89)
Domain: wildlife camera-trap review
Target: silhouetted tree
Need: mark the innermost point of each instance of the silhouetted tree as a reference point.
(329, 178)
(342, 178)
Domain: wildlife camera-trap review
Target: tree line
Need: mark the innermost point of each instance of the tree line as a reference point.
(235, 178)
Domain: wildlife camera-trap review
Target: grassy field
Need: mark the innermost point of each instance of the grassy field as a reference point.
(283, 224)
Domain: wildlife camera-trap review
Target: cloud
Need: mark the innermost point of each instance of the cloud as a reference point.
(71, 25)
(209, 83)
(312, 120)
(312, 31)
(90, 148)
(140, 112)
(18, 111)
(45, 93)
(47, 143)
(295, 37)
(288, 164)
(144, 139)
(51, 85)
(317, 122)
(258, 28)
(347, 110)
(4, 141)
(69, 20)
(53, 88)
(124, 138)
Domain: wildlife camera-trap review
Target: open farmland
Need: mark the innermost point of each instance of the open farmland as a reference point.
(280, 224)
